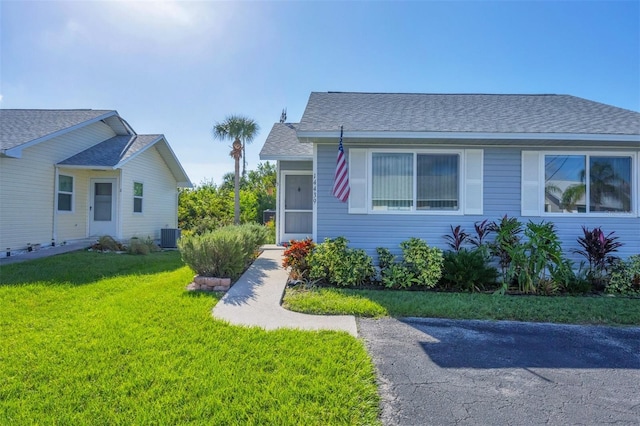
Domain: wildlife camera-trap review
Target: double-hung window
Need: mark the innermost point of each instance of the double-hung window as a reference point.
(415, 181)
(138, 192)
(65, 193)
(595, 183)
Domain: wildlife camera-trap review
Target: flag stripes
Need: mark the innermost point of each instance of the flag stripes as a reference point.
(341, 188)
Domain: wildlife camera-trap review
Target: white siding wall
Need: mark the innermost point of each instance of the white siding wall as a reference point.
(159, 206)
(27, 188)
(76, 225)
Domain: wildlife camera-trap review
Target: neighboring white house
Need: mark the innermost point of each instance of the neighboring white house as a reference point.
(421, 163)
(73, 174)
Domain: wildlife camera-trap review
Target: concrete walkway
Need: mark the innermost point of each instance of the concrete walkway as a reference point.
(254, 300)
(23, 256)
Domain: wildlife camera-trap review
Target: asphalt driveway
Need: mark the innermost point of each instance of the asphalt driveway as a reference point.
(442, 372)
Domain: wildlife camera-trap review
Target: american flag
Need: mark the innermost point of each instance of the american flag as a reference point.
(341, 188)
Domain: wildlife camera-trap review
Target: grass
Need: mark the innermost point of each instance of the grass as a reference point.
(378, 303)
(91, 338)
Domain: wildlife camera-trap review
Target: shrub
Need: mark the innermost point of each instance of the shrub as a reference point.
(568, 280)
(532, 260)
(423, 261)
(467, 270)
(296, 257)
(625, 277)
(252, 237)
(392, 273)
(333, 262)
(397, 275)
(138, 246)
(483, 229)
(107, 243)
(385, 257)
(597, 249)
(457, 238)
(271, 229)
(507, 237)
(218, 253)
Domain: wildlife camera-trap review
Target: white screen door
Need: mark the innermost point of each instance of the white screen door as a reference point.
(297, 218)
(102, 207)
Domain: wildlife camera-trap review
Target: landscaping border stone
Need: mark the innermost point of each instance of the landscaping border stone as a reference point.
(201, 283)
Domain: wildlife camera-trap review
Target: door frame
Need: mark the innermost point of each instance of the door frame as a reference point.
(283, 237)
(114, 206)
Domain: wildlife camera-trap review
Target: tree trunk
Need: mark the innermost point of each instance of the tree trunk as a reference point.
(236, 209)
(244, 161)
(236, 153)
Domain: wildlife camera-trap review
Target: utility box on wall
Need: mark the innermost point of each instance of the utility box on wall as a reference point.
(169, 237)
(268, 215)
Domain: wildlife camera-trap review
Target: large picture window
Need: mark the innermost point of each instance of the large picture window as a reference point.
(65, 193)
(588, 183)
(415, 181)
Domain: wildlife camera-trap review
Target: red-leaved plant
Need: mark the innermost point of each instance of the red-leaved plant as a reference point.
(295, 257)
(597, 248)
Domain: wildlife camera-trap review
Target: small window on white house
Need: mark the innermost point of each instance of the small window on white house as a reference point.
(137, 197)
(65, 193)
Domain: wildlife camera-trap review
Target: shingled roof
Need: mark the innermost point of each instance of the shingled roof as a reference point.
(463, 113)
(111, 152)
(21, 126)
(282, 144)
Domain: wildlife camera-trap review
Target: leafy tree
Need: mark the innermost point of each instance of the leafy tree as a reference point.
(204, 208)
(240, 130)
(208, 207)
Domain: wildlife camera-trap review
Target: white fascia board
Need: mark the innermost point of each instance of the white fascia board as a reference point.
(88, 167)
(16, 152)
(285, 158)
(308, 137)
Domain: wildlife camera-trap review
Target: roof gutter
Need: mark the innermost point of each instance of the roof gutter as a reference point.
(313, 136)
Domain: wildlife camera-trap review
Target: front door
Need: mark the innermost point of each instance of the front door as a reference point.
(297, 218)
(102, 207)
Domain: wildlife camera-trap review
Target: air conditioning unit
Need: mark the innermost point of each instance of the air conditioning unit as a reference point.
(169, 237)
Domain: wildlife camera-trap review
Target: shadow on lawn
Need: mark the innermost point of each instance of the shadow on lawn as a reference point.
(83, 267)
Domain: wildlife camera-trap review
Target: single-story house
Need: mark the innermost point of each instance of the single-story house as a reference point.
(420, 163)
(70, 175)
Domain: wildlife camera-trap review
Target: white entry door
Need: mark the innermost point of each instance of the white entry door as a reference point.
(297, 207)
(102, 207)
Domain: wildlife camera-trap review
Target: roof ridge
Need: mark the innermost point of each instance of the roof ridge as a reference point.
(54, 109)
(446, 94)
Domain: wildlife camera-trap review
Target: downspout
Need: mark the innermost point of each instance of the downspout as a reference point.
(279, 210)
(54, 228)
(119, 209)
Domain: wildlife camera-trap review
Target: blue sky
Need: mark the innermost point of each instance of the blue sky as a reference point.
(177, 67)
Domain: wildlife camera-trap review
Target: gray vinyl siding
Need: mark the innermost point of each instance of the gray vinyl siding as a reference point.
(502, 185)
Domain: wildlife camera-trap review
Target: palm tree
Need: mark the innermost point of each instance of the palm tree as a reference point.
(249, 131)
(238, 129)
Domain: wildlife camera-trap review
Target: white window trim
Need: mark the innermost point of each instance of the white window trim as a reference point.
(136, 196)
(72, 193)
(635, 193)
(432, 212)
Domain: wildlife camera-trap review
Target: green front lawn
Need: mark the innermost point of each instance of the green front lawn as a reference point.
(89, 338)
(377, 303)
